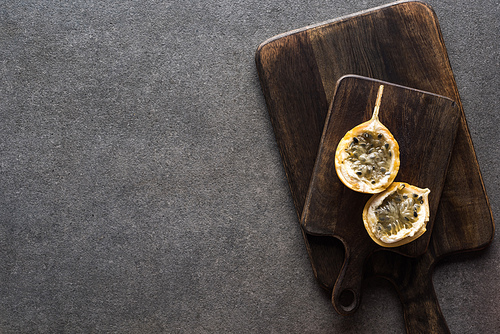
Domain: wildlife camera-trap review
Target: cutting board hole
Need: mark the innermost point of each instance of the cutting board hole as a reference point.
(347, 300)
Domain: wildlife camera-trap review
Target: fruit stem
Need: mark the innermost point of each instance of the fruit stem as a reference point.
(377, 102)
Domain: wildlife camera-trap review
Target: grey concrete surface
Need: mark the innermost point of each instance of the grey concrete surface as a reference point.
(141, 188)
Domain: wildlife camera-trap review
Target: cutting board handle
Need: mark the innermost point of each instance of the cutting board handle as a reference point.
(346, 295)
(421, 309)
(422, 312)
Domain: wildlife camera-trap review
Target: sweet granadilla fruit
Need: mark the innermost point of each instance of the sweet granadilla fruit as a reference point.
(367, 157)
(398, 215)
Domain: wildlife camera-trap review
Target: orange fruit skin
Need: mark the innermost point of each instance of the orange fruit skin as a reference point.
(341, 167)
(368, 219)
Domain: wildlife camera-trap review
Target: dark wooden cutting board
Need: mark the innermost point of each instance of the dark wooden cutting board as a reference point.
(424, 124)
(399, 43)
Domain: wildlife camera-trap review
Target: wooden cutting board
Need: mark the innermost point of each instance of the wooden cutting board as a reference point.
(424, 124)
(399, 43)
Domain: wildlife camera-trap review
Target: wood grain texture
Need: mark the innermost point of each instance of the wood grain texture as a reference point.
(300, 93)
(424, 125)
(399, 43)
(414, 286)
